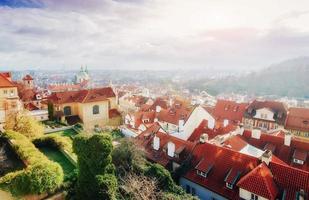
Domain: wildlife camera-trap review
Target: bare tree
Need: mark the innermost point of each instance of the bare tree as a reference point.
(139, 187)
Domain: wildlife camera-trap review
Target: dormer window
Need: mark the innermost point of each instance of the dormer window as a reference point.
(203, 168)
(231, 178)
(299, 157)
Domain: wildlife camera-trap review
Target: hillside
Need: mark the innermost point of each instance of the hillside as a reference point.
(289, 78)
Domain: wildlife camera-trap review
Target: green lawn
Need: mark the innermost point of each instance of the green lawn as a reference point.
(56, 156)
(65, 133)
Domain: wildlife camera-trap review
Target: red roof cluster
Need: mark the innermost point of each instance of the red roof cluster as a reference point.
(276, 145)
(82, 96)
(227, 166)
(145, 140)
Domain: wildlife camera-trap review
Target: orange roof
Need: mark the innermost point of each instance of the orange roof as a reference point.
(82, 96)
(230, 110)
(260, 182)
(173, 115)
(298, 119)
(225, 165)
(4, 81)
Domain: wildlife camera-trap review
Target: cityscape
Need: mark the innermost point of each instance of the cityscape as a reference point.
(119, 100)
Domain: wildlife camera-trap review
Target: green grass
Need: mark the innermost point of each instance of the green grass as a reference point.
(66, 133)
(56, 156)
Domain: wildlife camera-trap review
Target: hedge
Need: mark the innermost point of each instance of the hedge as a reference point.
(40, 174)
(55, 141)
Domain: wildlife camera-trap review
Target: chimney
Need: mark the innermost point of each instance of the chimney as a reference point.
(204, 138)
(211, 123)
(256, 133)
(287, 139)
(170, 149)
(301, 194)
(181, 125)
(266, 157)
(225, 122)
(158, 109)
(156, 143)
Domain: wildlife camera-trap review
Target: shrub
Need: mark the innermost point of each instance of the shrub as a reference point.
(55, 141)
(25, 124)
(40, 175)
(94, 166)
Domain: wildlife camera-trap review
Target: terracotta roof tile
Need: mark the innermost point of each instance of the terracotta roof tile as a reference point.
(298, 119)
(82, 96)
(260, 182)
(5, 80)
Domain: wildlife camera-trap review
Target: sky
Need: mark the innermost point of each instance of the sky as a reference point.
(151, 34)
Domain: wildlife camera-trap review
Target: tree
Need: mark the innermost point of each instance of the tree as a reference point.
(96, 179)
(25, 124)
(50, 108)
(138, 187)
(128, 157)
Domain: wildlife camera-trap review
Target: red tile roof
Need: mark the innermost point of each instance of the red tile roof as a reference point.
(203, 128)
(82, 96)
(223, 160)
(290, 179)
(260, 182)
(27, 78)
(173, 115)
(283, 152)
(5, 80)
(298, 119)
(230, 110)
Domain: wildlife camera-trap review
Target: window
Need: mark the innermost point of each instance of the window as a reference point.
(254, 197)
(229, 185)
(67, 110)
(193, 191)
(188, 188)
(12, 92)
(203, 174)
(95, 110)
(5, 91)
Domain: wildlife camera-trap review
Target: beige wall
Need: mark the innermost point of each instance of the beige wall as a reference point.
(90, 120)
(247, 195)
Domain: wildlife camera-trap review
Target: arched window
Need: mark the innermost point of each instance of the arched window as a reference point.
(95, 110)
(67, 110)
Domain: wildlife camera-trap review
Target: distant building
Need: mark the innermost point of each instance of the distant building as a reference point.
(265, 115)
(229, 111)
(82, 76)
(297, 122)
(95, 108)
(9, 100)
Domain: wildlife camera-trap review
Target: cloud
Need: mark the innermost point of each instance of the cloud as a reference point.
(159, 34)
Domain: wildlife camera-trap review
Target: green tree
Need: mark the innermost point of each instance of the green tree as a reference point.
(128, 157)
(96, 179)
(50, 108)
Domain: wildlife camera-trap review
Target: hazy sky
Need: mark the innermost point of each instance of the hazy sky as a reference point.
(153, 34)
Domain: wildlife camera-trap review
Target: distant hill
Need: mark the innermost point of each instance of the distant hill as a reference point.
(289, 78)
